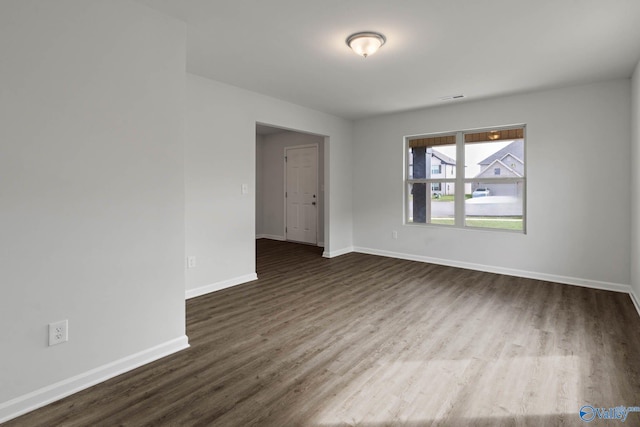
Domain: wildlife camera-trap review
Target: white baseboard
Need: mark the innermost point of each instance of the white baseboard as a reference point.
(280, 238)
(192, 293)
(635, 300)
(587, 283)
(46, 395)
(270, 237)
(333, 254)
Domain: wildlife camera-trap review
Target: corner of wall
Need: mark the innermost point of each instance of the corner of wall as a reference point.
(635, 185)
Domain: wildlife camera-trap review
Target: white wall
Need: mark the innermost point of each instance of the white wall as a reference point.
(271, 190)
(91, 193)
(635, 185)
(577, 221)
(220, 156)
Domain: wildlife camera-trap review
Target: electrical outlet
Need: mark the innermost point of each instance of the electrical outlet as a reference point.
(191, 262)
(58, 332)
(245, 189)
(394, 234)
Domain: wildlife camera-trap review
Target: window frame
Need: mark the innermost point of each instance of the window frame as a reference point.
(427, 181)
(460, 180)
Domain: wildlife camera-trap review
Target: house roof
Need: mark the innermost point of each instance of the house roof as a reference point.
(501, 163)
(516, 148)
(443, 157)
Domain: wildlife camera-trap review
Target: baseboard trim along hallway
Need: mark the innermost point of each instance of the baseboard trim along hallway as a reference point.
(202, 290)
(338, 252)
(46, 395)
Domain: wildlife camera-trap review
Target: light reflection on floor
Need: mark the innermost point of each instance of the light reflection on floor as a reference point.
(414, 391)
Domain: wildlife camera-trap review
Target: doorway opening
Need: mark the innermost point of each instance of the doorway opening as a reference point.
(290, 170)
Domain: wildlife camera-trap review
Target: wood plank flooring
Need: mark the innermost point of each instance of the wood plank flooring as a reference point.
(371, 341)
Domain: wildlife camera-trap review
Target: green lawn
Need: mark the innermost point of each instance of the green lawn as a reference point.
(442, 221)
(447, 198)
(485, 222)
(502, 223)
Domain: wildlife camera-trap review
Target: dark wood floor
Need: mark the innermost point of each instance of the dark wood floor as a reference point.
(371, 341)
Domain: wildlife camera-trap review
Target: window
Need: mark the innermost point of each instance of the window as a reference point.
(436, 206)
(480, 180)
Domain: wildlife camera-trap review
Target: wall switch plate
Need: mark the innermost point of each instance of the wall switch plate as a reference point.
(394, 234)
(191, 262)
(58, 332)
(245, 188)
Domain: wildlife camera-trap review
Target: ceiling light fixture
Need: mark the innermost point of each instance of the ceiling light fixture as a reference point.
(493, 135)
(366, 43)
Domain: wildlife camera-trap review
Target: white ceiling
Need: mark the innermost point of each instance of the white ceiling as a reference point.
(295, 49)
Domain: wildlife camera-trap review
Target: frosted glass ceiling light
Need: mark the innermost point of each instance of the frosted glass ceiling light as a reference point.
(365, 43)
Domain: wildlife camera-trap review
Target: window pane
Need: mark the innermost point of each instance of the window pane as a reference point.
(442, 160)
(417, 203)
(489, 211)
(425, 162)
(497, 159)
(443, 203)
(436, 206)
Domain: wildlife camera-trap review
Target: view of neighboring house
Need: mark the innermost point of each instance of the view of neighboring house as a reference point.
(505, 163)
(442, 166)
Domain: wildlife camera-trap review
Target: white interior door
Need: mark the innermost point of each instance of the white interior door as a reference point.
(301, 194)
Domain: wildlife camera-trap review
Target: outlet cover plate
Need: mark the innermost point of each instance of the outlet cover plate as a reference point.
(58, 332)
(191, 262)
